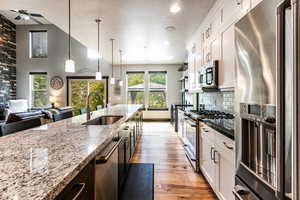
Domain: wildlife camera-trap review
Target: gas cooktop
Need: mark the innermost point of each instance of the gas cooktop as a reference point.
(220, 121)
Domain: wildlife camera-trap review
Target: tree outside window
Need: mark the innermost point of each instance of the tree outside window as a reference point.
(39, 90)
(157, 90)
(79, 91)
(136, 87)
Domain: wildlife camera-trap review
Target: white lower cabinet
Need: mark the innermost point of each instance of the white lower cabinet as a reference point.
(225, 173)
(217, 163)
(207, 164)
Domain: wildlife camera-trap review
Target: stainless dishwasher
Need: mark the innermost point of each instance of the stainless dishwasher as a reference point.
(107, 166)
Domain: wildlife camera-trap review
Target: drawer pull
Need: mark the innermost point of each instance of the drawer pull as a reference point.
(82, 186)
(228, 147)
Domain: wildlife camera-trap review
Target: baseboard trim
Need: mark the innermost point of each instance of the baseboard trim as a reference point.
(156, 120)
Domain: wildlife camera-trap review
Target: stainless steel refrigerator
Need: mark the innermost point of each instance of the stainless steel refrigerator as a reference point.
(267, 102)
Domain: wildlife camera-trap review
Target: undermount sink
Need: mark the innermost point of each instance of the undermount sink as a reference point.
(104, 120)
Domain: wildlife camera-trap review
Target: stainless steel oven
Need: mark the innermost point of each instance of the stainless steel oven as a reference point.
(191, 141)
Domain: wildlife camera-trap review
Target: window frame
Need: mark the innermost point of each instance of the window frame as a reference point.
(136, 89)
(165, 89)
(147, 88)
(32, 90)
(70, 78)
(31, 45)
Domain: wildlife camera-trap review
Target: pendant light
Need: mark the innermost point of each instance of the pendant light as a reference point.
(112, 79)
(70, 64)
(121, 69)
(98, 73)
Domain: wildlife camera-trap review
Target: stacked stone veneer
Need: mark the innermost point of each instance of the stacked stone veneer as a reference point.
(7, 60)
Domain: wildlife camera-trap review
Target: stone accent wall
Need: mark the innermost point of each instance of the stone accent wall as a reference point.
(222, 101)
(7, 60)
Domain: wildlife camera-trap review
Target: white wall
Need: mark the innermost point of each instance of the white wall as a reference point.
(173, 86)
(54, 64)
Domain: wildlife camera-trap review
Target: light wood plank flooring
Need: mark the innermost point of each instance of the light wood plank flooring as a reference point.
(174, 177)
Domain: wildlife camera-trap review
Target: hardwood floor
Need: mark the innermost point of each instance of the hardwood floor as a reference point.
(174, 177)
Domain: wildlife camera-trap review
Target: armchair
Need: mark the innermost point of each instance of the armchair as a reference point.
(16, 106)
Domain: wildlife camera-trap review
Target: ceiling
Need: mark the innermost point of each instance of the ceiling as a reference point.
(138, 26)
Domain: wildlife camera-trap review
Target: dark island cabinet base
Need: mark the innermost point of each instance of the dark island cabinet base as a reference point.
(82, 186)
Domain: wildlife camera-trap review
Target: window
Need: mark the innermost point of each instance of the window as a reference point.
(80, 87)
(38, 44)
(136, 87)
(38, 89)
(157, 90)
(151, 93)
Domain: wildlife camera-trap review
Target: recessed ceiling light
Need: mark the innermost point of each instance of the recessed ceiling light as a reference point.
(175, 8)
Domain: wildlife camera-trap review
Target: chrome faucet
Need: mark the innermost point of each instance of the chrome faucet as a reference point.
(88, 110)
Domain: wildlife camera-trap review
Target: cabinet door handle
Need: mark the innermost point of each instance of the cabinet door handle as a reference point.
(228, 147)
(215, 157)
(211, 153)
(82, 186)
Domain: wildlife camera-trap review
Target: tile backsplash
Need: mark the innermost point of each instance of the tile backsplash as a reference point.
(222, 101)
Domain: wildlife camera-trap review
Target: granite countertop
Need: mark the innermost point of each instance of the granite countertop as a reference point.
(38, 163)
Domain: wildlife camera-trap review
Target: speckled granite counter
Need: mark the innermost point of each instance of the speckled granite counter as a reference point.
(38, 163)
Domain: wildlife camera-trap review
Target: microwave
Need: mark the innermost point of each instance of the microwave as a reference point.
(208, 75)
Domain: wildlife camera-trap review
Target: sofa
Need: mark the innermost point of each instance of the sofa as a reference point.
(18, 110)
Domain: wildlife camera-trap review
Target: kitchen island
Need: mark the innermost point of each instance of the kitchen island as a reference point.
(37, 164)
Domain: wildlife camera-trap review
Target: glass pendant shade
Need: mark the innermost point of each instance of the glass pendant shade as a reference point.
(112, 81)
(99, 76)
(121, 83)
(70, 66)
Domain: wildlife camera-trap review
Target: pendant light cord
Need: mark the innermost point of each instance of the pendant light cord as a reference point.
(121, 64)
(112, 58)
(69, 29)
(98, 22)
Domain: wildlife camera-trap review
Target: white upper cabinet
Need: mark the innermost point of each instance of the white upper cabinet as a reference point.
(255, 3)
(192, 69)
(227, 63)
(214, 40)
